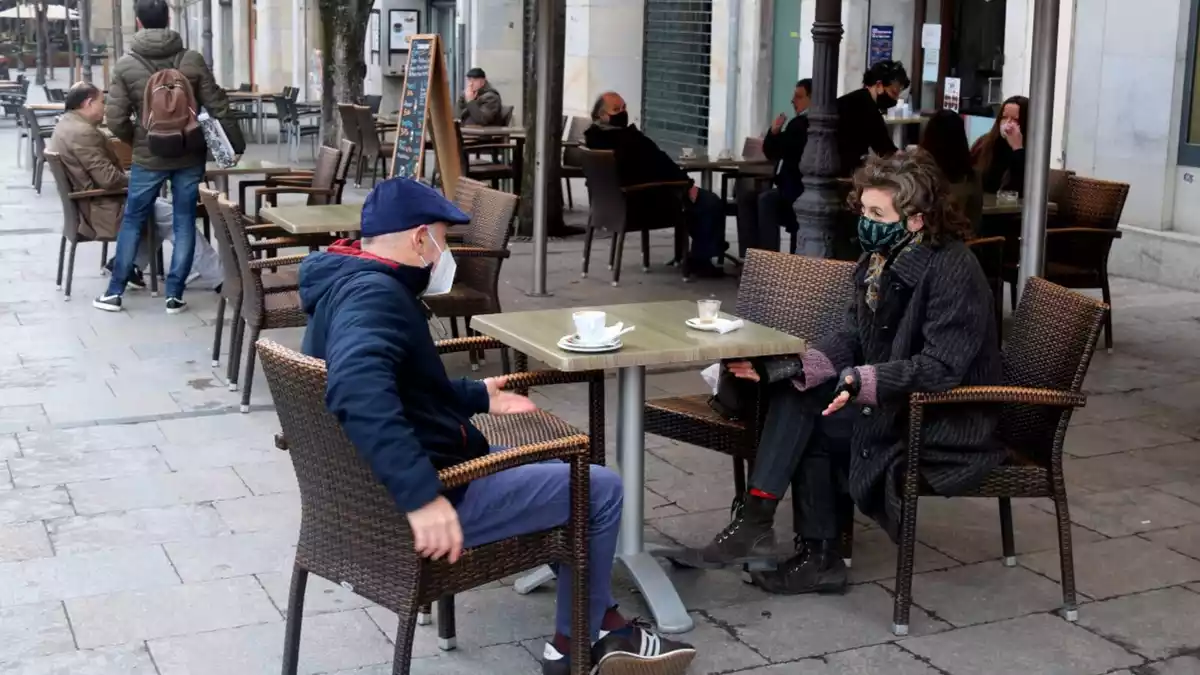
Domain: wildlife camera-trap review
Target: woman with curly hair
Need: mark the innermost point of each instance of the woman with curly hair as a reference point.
(999, 155)
(921, 321)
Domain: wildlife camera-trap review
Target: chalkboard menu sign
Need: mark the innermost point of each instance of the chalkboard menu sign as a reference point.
(425, 109)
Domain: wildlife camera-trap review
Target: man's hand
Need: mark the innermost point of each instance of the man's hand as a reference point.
(436, 532)
(777, 125)
(469, 92)
(505, 402)
(743, 370)
(693, 192)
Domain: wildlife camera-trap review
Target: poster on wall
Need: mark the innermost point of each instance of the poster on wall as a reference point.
(952, 93)
(373, 36)
(882, 39)
(403, 24)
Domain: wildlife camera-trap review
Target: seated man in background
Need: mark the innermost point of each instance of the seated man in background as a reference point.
(480, 103)
(92, 164)
(761, 214)
(640, 161)
(390, 392)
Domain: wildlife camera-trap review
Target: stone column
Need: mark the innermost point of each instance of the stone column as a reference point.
(818, 209)
(240, 42)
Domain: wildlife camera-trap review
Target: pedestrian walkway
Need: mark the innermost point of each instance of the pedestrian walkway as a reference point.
(146, 527)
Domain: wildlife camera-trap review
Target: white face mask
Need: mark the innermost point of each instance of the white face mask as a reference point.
(441, 278)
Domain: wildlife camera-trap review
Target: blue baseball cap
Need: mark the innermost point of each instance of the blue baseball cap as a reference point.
(400, 204)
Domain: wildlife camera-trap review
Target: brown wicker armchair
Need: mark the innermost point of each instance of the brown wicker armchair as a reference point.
(352, 534)
(77, 228)
(485, 246)
(634, 208)
(801, 296)
(304, 177)
(374, 150)
(261, 309)
(1077, 247)
(320, 187)
(1046, 358)
(572, 167)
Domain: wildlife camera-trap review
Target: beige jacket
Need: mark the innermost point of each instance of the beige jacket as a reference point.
(91, 164)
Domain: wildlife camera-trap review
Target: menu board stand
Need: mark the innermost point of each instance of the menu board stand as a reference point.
(426, 109)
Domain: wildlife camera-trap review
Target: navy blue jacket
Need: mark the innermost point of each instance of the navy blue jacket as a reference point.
(387, 385)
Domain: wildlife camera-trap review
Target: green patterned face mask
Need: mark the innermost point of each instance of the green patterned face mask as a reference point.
(875, 236)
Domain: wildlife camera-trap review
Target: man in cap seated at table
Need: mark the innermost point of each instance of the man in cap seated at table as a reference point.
(480, 103)
(390, 392)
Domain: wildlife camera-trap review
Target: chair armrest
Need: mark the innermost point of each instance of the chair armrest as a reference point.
(91, 194)
(282, 261)
(570, 448)
(476, 252)
(1025, 395)
(661, 184)
(479, 147)
(274, 243)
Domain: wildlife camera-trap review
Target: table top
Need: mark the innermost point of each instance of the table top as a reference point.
(248, 166)
(895, 121)
(718, 164)
(302, 219)
(251, 95)
(660, 337)
(470, 130)
(992, 208)
(45, 106)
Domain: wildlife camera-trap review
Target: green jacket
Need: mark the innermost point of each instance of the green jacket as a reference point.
(127, 89)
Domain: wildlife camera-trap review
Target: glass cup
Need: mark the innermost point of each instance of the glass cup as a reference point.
(1007, 197)
(687, 153)
(708, 309)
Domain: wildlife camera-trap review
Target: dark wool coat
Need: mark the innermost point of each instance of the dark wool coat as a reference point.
(933, 330)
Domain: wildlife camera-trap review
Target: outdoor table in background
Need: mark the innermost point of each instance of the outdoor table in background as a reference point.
(897, 124)
(993, 207)
(244, 167)
(45, 107)
(323, 219)
(706, 166)
(255, 97)
(660, 338)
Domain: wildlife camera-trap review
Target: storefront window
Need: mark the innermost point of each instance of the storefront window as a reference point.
(1189, 142)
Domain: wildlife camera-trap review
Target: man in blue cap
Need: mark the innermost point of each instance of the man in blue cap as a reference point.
(408, 419)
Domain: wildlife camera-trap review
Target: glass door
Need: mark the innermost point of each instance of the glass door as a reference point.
(442, 22)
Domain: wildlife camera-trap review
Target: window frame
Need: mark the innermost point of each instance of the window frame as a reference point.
(1189, 153)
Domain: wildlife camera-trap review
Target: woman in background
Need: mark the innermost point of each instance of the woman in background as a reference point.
(945, 138)
(999, 155)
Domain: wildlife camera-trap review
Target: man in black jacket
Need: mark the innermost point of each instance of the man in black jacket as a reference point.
(408, 419)
(640, 161)
(761, 214)
(860, 125)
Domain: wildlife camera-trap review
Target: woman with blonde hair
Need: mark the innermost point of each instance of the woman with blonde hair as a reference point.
(921, 320)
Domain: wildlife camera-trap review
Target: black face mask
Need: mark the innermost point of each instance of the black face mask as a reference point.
(885, 101)
(620, 119)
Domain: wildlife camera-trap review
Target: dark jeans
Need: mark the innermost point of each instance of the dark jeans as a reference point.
(760, 216)
(707, 227)
(537, 497)
(144, 186)
(802, 448)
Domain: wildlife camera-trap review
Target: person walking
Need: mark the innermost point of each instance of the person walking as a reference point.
(167, 143)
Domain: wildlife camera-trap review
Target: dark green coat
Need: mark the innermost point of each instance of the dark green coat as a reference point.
(127, 89)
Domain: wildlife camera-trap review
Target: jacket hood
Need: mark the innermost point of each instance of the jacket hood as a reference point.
(321, 273)
(156, 43)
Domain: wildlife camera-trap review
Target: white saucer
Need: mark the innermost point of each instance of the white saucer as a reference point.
(702, 324)
(571, 343)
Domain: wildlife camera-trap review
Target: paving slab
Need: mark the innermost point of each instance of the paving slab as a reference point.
(139, 527)
(968, 530)
(90, 438)
(983, 593)
(1185, 540)
(122, 660)
(1041, 643)
(218, 453)
(279, 512)
(1156, 624)
(1115, 472)
(1122, 512)
(72, 467)
(1186, 490)
(1119, 567)
(34, 630)
(1182, 665)
(1106, 437)
(23, 541)
(171, 489)
(267, 478)
(39, 503)
(74, 576)
(484, 617)
(320, 597)
(232, 555)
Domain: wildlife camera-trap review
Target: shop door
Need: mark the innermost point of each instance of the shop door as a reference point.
(676, 59)
(785, 56)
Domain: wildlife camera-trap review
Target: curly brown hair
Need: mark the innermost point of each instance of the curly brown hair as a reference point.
(917, 185)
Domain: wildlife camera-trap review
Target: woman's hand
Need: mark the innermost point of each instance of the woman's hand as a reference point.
(743, 370)
(847, 388)
(1016, 140)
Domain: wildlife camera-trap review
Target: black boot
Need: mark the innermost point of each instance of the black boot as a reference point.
(817, 567)
(749, 539)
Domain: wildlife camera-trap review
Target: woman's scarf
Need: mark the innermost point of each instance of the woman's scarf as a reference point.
(880, 262)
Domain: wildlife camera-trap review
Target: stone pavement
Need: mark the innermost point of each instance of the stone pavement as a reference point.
(146, 527)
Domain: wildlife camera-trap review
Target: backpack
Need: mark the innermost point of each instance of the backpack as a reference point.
(169, 112)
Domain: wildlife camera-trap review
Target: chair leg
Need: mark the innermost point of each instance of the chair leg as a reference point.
(152, 243)
(474, 355)
(358, 170)
(904, 562)
(618, 249)
(792, 244)
(570, 197)
(1107, 295)
(454, 327)
(846, 528)
(70, 271)
(295, 618)
(645, 250)
(248, 384)
(424, 615)
(217, 330)
(402, 656)
(505, 361)
(1012, 296)
(447, 640)
(237, 326)
(1006, 532)
(1066, 554)
(103, 257)
(62, 256)
(612, 250)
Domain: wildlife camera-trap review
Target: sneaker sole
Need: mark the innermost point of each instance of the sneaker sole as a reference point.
(176, 310)
(105, 306)
(624, 663)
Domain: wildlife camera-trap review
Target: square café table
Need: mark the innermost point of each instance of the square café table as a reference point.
(660, 338)
(321, 219)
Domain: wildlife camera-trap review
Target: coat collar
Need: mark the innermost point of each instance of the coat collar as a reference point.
(910, 266)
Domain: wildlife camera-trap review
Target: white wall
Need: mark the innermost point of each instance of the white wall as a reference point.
(753, 74)
(603, 53)
(1018, 58)
(495, 45)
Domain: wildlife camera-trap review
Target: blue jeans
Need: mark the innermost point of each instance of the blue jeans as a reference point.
(144, 186)
(537, 497)
(708, 226)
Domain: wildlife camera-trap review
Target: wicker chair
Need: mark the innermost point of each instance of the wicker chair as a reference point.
(304, 177)
(261, 310)
(374, 150)
(635, 208)
(752, 148)
(1046, 358)
(37, 145)
(989, 251)
(806, 297)
(571, 164)
(1077, 248)
(352, 534)
(485, 246)
(493, 171)
(231, 287)
(74, 218)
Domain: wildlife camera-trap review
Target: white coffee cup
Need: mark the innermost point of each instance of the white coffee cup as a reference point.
(687, 153)
(589, 326)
